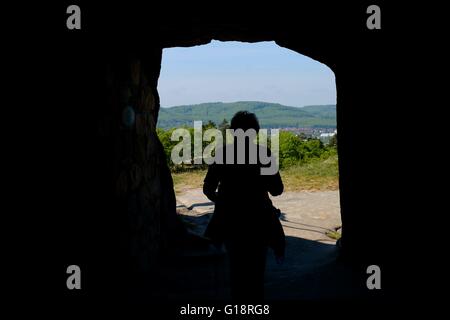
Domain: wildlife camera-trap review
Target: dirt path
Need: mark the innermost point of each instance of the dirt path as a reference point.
(307, 215)
(310, 269)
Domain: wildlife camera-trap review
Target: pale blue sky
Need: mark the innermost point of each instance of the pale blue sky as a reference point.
(237, 71)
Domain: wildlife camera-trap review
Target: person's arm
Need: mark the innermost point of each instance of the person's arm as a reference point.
(275, 185)
(211, 182)
(273, 182)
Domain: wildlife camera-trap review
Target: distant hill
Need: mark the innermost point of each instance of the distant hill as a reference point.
(270, 115)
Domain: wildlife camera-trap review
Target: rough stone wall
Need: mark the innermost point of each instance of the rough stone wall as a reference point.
(143, 190)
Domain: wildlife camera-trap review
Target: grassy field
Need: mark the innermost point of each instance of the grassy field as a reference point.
(188, 180)
(317, 175)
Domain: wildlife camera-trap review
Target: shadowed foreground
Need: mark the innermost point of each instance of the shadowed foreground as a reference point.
(311, 270)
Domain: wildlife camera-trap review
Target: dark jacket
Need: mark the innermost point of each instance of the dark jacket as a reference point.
(243, 209)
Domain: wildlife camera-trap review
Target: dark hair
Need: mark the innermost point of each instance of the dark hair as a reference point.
(244, 120)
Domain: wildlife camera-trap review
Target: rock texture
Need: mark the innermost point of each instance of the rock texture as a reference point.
(143, 190)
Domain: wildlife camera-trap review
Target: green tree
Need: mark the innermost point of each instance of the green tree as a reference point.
(290, 145)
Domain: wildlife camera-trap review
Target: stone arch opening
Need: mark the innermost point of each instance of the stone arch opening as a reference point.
(317, 216)
(135, 79)
(309, 239)
(134, 82)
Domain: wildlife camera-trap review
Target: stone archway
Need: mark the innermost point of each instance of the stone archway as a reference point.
(82, 149)
(143, 184)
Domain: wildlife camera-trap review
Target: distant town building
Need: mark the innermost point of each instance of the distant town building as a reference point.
(327, 134)
(318, 133)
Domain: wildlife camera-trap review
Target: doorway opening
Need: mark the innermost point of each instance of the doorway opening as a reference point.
(286, 91)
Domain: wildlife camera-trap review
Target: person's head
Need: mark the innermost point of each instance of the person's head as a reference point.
(244, 120)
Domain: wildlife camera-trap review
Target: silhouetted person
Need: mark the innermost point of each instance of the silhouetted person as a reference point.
(244, 217)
